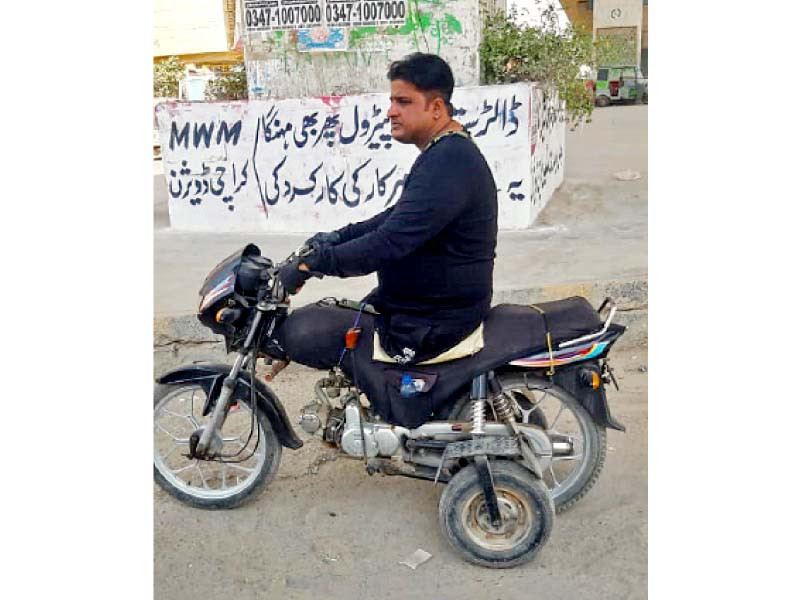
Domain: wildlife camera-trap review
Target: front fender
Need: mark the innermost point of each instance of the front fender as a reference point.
(210, 377)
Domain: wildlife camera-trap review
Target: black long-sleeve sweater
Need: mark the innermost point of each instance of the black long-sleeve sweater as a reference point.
(433, 251)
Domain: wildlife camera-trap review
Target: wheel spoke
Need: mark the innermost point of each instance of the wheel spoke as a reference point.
(553, 475)
(192, 418)
(168, 454)
(202, 477)
(240, 467)
(177, 440)
(553, 424)
(173, 414)
(570, 457)
(182, 469)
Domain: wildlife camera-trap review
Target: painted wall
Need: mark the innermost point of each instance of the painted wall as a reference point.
(612, 16)
(617, 13)
(281, 65)
(316, 164)
(188, 27)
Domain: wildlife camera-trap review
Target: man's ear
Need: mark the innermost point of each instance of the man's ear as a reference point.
(438, 107)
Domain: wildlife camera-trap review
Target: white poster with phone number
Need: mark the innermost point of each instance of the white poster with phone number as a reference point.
(281, 15)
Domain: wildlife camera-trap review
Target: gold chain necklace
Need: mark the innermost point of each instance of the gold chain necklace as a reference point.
(444, 134)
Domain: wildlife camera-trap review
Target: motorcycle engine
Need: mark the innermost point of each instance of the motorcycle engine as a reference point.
(380, 438)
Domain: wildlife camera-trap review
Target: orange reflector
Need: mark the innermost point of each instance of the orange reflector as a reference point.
(218, 317)
(351, 338)
(595, 380)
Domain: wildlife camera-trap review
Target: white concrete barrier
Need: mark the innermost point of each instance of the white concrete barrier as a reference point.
(315, 164)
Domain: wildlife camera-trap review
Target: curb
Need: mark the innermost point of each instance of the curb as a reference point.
(178, 340)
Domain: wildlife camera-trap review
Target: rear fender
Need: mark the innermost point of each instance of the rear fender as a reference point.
(211, 375)
(594, 401)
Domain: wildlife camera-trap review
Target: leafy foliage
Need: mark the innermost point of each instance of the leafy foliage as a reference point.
(166, 77)
(545, 54)
(615, 50)
(230, 85)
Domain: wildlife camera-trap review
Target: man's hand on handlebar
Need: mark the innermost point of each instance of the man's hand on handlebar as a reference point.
(322, 237)
(294, 274)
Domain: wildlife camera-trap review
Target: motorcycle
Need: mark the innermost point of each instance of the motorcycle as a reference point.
(515, 432)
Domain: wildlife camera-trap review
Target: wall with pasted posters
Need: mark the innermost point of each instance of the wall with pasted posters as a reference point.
(315, 164)
(348, 51)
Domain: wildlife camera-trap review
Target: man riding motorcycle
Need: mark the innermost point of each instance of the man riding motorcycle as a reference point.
(434, 250)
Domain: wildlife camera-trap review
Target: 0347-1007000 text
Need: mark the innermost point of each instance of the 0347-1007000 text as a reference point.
(275, 15)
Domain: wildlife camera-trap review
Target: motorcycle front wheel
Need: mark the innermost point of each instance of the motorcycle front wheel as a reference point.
(249, 460)
(570, 476)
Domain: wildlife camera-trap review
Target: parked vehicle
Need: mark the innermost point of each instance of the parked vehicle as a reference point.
(618, 84)
(516, 432)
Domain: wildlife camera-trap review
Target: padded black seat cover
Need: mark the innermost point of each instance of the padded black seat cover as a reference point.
(314, 336)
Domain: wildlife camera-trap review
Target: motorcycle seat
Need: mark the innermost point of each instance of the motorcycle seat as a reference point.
(516, 329)
(313, 336)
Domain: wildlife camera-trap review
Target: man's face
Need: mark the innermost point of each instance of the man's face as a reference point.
(412, 114)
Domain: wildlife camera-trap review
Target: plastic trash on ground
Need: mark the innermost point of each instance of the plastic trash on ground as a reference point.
(416, 559)
(627, 175)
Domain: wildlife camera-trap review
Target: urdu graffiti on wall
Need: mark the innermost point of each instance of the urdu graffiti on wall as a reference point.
(316, 163)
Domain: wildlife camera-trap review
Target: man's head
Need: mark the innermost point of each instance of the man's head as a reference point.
(421, 87)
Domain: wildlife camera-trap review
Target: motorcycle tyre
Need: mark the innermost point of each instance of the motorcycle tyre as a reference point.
(570, 495)
(271, 444)
(507, 475)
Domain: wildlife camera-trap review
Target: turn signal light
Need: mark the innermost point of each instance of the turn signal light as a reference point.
(351, 338)
(595, 380)
(227, 315)
(590, 378)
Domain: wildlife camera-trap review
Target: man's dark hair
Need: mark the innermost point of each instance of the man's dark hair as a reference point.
(428, 73)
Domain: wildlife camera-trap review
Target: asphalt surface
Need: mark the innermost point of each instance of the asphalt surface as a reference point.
(334, 532)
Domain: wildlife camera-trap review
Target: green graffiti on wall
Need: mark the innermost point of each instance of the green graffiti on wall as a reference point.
(359, 33)
(417, 21)
(453, 25)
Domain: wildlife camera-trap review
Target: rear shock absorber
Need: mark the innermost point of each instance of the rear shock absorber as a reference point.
(478, 395)
(478, 416)
(503, 406)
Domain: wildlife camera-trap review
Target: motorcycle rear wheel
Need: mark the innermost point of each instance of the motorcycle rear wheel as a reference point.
(526, 510)
(569, 478)
(202, 483)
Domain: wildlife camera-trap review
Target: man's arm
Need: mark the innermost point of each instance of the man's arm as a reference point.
(356, 230)
(432, 200)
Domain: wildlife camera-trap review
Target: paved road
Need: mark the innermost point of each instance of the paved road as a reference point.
(340, 534)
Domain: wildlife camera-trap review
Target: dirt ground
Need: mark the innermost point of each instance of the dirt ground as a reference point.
(339, 533)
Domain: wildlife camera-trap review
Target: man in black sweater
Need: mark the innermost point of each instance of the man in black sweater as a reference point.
(434, 249)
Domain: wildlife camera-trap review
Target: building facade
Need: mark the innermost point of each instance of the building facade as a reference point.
(624, 18)
(201, 32)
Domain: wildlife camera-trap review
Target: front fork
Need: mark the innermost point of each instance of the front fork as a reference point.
(210, 443)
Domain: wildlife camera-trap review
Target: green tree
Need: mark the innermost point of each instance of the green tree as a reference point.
(166, 77)
(229, 85)
(615, 50)
(545, 54)
(510, 52)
